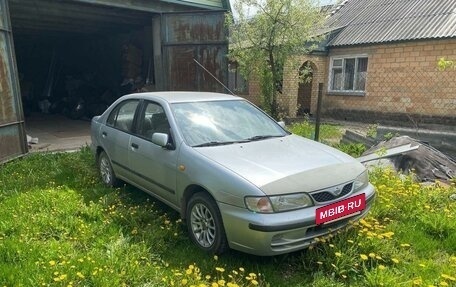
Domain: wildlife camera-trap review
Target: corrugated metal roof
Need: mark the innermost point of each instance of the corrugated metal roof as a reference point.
(378, 21)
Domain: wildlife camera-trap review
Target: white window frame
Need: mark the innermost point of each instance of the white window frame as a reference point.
(343, 58)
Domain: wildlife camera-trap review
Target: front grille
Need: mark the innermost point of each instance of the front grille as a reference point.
(324, 196)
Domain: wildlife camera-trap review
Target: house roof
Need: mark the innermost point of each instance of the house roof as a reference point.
(356, 22)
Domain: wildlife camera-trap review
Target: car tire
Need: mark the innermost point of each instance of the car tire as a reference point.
(107, 174)
(205, 224)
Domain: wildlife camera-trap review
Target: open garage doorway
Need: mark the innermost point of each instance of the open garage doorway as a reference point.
(74, 58)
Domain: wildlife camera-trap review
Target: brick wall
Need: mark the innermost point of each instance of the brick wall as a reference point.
(402, 80)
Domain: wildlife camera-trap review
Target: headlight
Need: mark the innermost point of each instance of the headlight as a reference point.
(361, 181)
(278, 203)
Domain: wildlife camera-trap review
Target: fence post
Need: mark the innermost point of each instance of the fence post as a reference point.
(318, 116)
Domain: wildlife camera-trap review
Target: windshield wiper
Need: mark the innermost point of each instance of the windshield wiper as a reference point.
(258, 138)
(216, 143)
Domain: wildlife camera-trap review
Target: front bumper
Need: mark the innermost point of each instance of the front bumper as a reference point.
(278, 233)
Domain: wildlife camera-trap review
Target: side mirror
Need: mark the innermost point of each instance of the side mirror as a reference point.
(282, 124)
(160, 139)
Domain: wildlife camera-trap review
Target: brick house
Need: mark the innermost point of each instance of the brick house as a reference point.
(379, 62)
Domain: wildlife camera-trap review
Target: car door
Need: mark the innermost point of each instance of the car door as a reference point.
(153, 166)
(115, 136)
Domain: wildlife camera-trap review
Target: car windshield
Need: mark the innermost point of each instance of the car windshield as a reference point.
(223, 122)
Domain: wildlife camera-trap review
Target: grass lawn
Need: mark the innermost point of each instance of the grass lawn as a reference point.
(60, 227)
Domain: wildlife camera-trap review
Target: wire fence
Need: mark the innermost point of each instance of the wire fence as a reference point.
(410, 95)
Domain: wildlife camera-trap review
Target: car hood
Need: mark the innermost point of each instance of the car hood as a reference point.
(286, 165)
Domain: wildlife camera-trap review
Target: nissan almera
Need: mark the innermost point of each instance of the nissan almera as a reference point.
(238, 178)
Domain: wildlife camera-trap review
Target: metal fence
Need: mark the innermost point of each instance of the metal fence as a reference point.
(405, 95)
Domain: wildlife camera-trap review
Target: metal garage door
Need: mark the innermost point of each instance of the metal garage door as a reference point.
(12, 135)
(195, 35)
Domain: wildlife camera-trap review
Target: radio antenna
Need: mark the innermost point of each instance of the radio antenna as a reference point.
(199, 64)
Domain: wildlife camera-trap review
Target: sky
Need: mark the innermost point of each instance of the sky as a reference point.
(252, 12)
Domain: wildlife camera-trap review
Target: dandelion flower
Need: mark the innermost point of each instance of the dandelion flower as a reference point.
(363, 256)
(395, 260)
(338, 254)
(372, 255)
(52, 262)
(448, 277)
(443, 283)
(381, 267)
(80, 275)
(254, 282)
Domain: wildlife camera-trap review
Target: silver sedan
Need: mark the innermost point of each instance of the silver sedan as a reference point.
(237, 177)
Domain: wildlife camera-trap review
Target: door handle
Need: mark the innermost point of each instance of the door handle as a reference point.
(104, 134)
(135, 146)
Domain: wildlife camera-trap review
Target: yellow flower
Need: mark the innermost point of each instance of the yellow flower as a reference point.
(372, 255)
(448, 277)
(184, 282)
(215, 257)
(52, 262)
(254, 282)
(241, 269)
(363, 256)
(405, 245)
(381, 267)
(220, 269)
(319, 263)
(80, 275)
(214, 284)
(338, 254)
(443, 283)
(395, 260)
(221, 282)
(417, 281)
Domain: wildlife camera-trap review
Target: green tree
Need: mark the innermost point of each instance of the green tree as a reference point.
(262, 44)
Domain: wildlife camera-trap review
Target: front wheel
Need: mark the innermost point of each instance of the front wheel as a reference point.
(205, 224)
(107, 174)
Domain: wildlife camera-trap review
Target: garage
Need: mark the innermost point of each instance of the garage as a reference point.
(70, 59)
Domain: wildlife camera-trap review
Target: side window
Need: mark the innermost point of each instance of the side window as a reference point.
(122, 116)
(153, 120)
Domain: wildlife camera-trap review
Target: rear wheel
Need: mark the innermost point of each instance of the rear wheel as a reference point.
(107, 174)
(205, 224)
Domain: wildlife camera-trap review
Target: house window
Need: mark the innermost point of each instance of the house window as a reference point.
(348, 74)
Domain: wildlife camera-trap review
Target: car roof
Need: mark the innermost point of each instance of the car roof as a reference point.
(182, 97)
